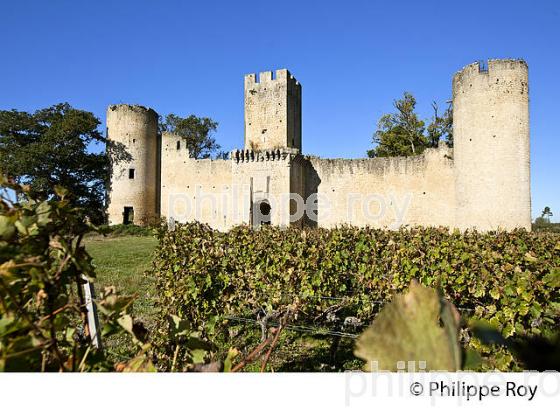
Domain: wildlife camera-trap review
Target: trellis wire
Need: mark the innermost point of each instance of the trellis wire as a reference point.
(303, 329)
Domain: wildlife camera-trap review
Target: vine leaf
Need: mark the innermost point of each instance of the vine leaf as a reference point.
(417, 326)
(228, 363)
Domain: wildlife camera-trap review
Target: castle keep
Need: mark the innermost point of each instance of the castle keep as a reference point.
(483, 182)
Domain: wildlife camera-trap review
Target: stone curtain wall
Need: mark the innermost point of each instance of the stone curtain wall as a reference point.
(220, 192)
(384, 192)
(192, 189)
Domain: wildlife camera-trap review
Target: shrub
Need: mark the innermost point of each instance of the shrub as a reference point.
(331, 279)
(125, 230)
(545, 226)
(43, 264)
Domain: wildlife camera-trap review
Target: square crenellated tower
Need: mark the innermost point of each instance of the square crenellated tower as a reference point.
(272, 111)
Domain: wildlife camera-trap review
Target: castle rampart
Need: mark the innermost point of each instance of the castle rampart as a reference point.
(384, 192)
(482, 182)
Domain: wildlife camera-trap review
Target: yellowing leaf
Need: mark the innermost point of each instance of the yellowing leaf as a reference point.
(495, 293)
(530, 258)
(408, 329)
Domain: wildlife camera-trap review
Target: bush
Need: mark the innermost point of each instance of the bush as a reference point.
(43, 265)
(126, 230)
(338, 278)
(542, 225)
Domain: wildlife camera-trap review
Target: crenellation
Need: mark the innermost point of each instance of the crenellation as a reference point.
(265, 77)
(493, 70)
(249, 155)
(250, 79)
(283, 74)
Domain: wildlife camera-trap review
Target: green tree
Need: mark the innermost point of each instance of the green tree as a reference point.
(50, 147)
(403, 133)
(441, 127)
(196, 132)
(546, 213)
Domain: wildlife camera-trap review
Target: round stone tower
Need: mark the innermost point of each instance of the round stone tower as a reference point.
(134, 191)
(491, 145)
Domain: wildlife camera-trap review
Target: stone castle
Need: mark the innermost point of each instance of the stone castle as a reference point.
(482, 182)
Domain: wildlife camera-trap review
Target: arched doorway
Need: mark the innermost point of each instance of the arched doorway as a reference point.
(261, 213)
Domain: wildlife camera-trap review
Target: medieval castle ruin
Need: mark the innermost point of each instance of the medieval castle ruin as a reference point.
(482, 182)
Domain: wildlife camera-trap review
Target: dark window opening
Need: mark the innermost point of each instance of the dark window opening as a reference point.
(264, 208)
(131, 173)
(178, 145)
(261, 213)
(128, 215)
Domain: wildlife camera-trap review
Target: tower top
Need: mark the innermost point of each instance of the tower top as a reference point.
(492, 67)
(272, 111)
(140, 109)
(269, 76)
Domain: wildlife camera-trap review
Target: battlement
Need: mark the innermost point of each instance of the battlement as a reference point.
(492, 67)
(440, 156)
(167, 134)
(247, 155)
(266, 77)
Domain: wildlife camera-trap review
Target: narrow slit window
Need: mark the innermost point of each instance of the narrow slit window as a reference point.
(178, 145)
(131, 173)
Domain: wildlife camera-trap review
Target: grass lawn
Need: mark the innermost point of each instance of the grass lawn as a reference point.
(122, 261)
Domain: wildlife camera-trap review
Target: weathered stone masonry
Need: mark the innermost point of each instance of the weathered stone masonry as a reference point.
(482, 182)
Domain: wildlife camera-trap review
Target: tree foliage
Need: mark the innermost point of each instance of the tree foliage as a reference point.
(543, 222)
(196, 132)
(546, 213)
(49, 148)
(403, 133)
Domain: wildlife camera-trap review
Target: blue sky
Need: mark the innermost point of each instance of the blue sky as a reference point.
(353, 59)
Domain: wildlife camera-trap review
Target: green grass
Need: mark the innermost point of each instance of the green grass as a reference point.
(122, 262)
